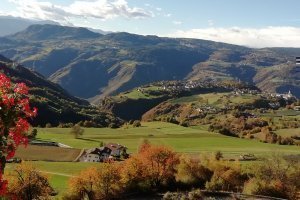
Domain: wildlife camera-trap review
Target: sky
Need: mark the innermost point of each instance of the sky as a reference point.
(253, 23)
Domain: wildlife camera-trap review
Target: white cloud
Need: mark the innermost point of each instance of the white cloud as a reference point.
(104, 9)
(177, 22)
(252, 37)
(100, 9)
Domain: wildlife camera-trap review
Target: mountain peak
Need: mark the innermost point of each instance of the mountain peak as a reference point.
(50, 32)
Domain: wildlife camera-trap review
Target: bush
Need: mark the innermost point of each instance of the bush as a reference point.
(33, 134)
(191, 171)
(113, 125)
(77, 131)
(276, 177)
(218, 155)
(48, 125)
(136, 123)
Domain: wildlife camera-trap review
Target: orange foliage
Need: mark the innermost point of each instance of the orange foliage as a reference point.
(103, 182)
(159, 163)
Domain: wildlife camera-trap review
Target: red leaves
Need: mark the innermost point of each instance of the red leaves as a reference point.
(14, 111)
(8, 101)
(3, 186)
(5, 83)
(21, 88)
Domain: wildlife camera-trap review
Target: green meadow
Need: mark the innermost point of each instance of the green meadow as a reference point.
(181, 139)
(194, 140)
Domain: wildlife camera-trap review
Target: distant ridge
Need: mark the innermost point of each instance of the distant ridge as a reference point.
(91, 66)
(10, 25)
(50, 31)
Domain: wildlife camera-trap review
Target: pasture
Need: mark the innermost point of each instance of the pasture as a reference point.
(195, 140)
(181, 139)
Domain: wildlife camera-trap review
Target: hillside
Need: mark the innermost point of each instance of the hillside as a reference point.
(54, 104)
(133, 104)
(92, 66)
(240, 113)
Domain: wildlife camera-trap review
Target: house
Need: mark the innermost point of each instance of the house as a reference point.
(95, 155)
(297, 108)
(117, 150)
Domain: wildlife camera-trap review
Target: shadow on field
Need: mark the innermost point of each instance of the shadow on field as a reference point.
(90, 140)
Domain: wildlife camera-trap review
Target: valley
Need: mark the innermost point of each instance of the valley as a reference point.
(193, 108)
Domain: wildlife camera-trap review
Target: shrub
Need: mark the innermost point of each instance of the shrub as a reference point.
(218, 155)
(48, 125)
(136, 123)
(77, 131)
(276, 177)
(191, 171)
(113, 125)
(33, 134)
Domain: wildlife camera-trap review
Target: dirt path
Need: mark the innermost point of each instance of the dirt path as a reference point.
(55, 173)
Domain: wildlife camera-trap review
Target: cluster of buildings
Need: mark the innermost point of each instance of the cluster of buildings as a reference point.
(189, 85)
(287, 96)
(108, 152)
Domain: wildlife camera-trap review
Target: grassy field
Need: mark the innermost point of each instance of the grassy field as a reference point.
(140, 93)
(58, 172)
(188, 140)
(288, 132)
(215, 99)
(194, 140)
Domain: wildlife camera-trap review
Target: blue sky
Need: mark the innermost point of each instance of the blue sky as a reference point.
(256, 23)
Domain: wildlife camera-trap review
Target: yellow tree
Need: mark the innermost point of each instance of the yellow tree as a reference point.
(103, 182)
(109, 183)
(84, 185)
(191, 171)
(160, 162)
(133, 172)
(26, 182)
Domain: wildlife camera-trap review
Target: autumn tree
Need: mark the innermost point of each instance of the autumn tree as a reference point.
(84, 185)
(26, 182)
(191, 171)
(133, 173)
(277, 176)
(144, 145)
(77, 131)
(226, 175)
(160, 162)
(14, 112)
(103, 182)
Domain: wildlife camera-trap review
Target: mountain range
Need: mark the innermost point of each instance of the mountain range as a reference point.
(91, 65)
